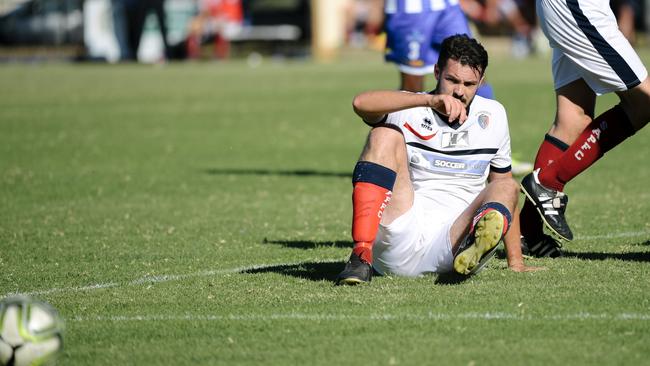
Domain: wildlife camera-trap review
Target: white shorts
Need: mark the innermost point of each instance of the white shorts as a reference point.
(587, 44)
(415, 243)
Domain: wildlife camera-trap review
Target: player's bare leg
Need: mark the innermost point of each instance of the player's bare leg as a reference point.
(635, 103)
(576, 103)
(603, 133)
(575, 109)
(385, 146)
(374, 200)
(477, 231)
(412, 83)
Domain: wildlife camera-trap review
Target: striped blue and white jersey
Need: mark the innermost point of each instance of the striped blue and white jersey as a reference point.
(416, 6)
(449, 165)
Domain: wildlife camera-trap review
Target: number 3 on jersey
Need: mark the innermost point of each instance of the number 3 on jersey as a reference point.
(414, 50)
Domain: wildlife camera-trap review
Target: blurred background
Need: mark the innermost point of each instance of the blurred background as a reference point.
(155, 31)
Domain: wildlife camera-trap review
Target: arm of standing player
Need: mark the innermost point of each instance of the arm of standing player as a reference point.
(512, 239)
(372, 106)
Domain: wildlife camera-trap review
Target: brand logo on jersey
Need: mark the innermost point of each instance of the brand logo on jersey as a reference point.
(455, 139)
(484, 119)
(426, 124)
(419, 135)
(448, 164)
(440, 164)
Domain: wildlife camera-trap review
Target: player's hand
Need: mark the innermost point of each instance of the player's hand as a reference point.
(521, 267)
(449, 106)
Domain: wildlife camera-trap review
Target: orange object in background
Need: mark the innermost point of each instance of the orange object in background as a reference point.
(228, 10)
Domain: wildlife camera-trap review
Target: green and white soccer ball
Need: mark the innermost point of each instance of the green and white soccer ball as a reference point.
(31, 332)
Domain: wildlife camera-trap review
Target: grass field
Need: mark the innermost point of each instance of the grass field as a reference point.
(197, 214)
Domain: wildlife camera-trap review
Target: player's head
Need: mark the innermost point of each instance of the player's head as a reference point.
(460, 68)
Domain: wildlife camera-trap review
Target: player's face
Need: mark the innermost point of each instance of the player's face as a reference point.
(459, 81)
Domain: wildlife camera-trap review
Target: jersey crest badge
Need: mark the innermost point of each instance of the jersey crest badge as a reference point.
(484, 119)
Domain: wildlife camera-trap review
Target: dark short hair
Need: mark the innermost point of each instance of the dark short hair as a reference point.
(464, 49)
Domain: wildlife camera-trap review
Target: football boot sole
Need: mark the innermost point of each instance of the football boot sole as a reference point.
(487, 235)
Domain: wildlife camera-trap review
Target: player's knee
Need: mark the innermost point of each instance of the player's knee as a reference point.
(635, 102)
(511, 187)
(508, 187)
(642, 105)
(385, 139)
(383, 145)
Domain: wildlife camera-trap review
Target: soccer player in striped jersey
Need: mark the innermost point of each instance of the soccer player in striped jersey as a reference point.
(590, 57)
(415, 30)
(433, 191)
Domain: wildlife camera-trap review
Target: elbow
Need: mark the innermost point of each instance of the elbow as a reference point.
(357, 103)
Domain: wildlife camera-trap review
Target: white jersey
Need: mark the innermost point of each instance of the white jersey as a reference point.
(449, 165)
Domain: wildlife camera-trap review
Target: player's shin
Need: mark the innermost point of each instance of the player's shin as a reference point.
(373, 184)
(603, 134)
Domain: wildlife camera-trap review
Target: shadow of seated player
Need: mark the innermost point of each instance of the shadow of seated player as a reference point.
(451, 278)
(310, 244)
(313, 271)
(296, 172)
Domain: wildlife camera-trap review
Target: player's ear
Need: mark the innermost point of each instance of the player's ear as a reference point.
(436, 71)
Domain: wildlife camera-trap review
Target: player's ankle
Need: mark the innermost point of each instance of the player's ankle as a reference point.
(363, 251)
(547, 177)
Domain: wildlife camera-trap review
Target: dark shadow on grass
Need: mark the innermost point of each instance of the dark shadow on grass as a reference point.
(298, 173)
(314, 271)
(630, 257)
(307, 244)
(451, 278)
(328, 271)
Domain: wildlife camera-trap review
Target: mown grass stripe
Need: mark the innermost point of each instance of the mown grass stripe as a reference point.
(628, 234)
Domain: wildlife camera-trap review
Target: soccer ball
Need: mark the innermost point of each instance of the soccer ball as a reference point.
(31, 332)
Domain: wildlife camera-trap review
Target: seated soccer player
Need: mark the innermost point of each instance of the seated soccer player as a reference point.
(433, 191)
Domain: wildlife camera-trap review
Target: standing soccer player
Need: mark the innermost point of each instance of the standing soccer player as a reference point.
(433, 191)
(590, 57)
(415, 30)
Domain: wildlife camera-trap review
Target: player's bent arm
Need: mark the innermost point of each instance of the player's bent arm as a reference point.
(512, 239)
(512, 242)
(372, 106)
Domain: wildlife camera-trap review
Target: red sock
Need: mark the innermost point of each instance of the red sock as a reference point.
(603, 134)
(550, 150)
(368, 202)
(194, 46)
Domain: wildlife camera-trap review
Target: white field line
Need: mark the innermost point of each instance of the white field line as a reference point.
(168, 278)
(162, 278)
(370, 317)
